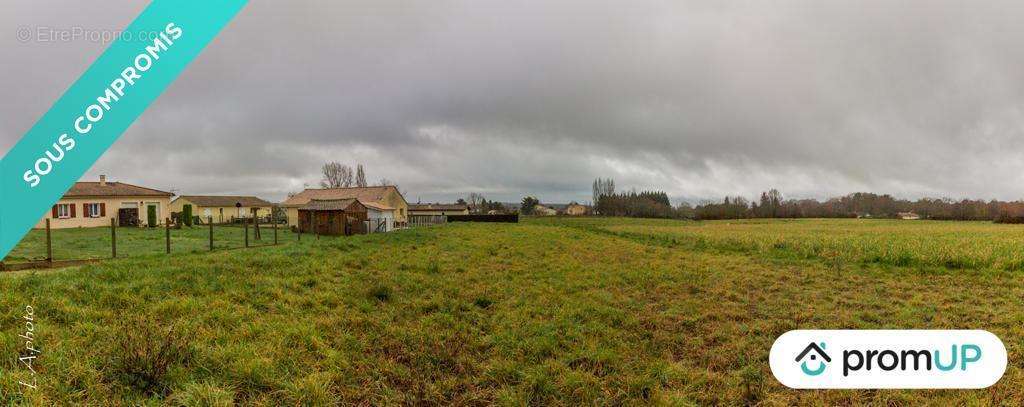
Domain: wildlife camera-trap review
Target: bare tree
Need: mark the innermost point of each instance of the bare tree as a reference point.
(360, 176)
(474, 201)
(347, 176)
(332, 175)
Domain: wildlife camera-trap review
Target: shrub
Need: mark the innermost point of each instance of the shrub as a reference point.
(186, 215)
(143, 351)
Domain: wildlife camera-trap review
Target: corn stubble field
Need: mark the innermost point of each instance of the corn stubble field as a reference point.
(549, 311)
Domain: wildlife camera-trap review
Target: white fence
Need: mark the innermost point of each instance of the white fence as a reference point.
(427, 220)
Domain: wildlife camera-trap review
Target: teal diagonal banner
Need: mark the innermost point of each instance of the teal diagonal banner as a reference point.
(134, 70)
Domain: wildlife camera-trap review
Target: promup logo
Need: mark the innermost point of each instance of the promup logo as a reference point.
(875, 359)
(812, 352)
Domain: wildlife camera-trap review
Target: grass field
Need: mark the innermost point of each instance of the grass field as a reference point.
(549, 311)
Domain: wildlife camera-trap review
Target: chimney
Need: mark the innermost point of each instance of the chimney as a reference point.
(103, 180)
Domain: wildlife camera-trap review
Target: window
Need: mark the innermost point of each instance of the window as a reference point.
(63, 211)
(92, 210)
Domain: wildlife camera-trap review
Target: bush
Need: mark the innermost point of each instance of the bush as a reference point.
(143, 351)
(186, 215)
(151, 216)
(1006, 217)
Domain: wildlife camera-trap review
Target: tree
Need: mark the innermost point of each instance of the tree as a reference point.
(336, 175)
(528, 205)
(360, 176)
(602, 187)
(346, 176)
(474, 199)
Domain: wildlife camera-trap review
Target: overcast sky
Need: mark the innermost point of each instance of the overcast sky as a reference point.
(702, 99)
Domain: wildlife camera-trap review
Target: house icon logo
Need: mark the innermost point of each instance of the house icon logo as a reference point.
(815, 354)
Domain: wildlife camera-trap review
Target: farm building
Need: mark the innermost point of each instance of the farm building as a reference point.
(575, 209)
(541, 210)
(908, 216)
(381, 218)
(223, 208)
(93, 204)
(437, 209)
(387, 196)
(336, 217)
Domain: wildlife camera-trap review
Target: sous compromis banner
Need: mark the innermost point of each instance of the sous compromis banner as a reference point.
(91, 115)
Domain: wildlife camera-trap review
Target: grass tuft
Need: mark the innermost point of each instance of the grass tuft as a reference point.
(381, 293)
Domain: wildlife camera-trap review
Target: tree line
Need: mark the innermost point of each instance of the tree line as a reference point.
(771, 204)
(861, 204)
(638, 204)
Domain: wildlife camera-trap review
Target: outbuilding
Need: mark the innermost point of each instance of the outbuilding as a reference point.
(380, 217)
(336, 217)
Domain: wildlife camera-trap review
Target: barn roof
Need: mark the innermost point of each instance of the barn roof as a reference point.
(328, 204)
(378, 206)
(363, 194)
(111, 189)
(224, 200)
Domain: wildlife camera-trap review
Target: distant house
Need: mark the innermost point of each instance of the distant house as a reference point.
(575, 209)
(541, 210)
(384, 197)
(93, 204)
(908, 216)
(437, 209)
(222, 208)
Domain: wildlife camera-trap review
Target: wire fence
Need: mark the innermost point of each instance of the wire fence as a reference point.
(57, 247)
(49, 247)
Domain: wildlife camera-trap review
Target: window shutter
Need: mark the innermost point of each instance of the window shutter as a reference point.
(73, 209)
(103, 209)
(54, 212)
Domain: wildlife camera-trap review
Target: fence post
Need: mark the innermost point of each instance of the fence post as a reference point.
(211, 232)
(256, 227)
(113, 238)
(275, 232)
(167, 229)
(49, 244)
(246, 227)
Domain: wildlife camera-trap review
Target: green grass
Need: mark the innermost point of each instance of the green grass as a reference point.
(550, 311)
(94, 243)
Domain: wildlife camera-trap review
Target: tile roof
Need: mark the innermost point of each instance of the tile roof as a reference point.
(438, 207)
(378, 205)
(90, 189)
(363, 194)
(224, 200)
(328, 204)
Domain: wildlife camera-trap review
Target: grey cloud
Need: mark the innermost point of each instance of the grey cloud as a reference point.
(702, 99)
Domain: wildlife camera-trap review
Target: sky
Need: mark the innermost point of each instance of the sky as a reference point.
(701, 99)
